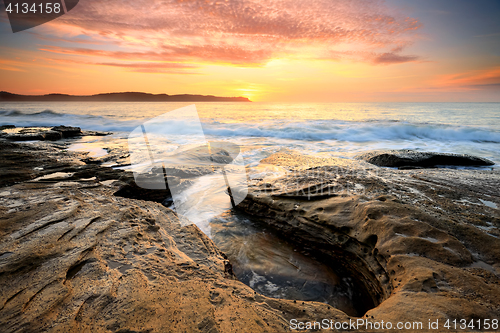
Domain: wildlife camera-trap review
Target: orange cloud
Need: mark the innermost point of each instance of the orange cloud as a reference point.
(77, 40)
(376, 58)
(205, 53)
(475, 78)
(152, 67)
(12, 65)
(243, 32)
(138, 67)
(393, 58)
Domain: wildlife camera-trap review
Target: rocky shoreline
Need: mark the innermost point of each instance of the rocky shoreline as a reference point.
(76, 258)
(83, 249)
(423, 244)
(13, 133)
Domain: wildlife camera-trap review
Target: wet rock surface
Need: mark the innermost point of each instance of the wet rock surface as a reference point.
(13, 133)
(416, 159)
(420, 244)
(76, 258)
(67, 131)
(3, 127)
(82, 249)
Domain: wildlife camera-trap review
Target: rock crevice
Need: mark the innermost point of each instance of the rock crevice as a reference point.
(411, 247)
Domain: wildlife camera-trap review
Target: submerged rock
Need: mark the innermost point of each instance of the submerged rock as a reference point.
(68, 131)
(13, 133)
(52, 135)
(7, 127)
(410, 158)
(22, 134)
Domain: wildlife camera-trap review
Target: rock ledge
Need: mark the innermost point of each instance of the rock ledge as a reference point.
(407, 158)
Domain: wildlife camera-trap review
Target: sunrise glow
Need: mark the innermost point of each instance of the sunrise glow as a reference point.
(278, 50)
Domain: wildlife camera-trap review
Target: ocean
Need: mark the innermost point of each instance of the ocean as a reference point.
(331, 129)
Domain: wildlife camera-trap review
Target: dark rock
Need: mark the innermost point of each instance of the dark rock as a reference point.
(25, 137)
(52, 135)
(94, 133)
(15, 165)
(132, 191)
(41, 133)
(25, 134)
(6, 127)
(410, 158)
(68, 131)
(19, 162)
(90, 160)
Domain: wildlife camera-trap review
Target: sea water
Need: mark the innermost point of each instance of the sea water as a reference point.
(334, 129)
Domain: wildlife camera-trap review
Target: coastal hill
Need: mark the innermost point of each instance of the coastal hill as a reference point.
(117, 97)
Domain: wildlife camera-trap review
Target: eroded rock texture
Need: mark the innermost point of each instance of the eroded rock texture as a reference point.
(76, 258)
(420, 244)
(13, 133)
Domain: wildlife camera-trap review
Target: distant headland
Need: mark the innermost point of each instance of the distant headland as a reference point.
(117, 97)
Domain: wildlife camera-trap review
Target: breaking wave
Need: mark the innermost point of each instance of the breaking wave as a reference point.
(310, 130)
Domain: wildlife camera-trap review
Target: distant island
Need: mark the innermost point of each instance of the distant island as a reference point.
(117, 97)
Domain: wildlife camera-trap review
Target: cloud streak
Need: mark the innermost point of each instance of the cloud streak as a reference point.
(393, 58)
(138, 67)
(472, 79)
(241, 32)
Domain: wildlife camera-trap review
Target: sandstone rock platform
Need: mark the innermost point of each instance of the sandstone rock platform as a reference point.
(77, 257)
(421, 244)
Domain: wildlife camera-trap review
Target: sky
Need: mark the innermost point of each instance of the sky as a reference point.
(266, 50)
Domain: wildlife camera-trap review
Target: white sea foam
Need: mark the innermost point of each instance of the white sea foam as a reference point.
(316, 130)
(342, 130)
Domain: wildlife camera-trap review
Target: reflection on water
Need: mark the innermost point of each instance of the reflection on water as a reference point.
(94, 147)
(274, 268)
